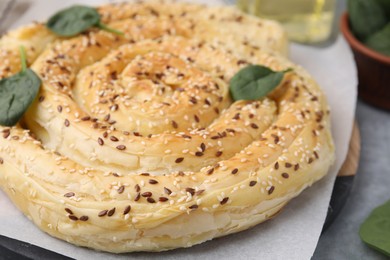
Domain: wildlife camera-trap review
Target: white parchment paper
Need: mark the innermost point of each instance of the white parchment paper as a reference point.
(294, 233)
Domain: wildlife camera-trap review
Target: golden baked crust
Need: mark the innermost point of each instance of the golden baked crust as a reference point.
(134, 144)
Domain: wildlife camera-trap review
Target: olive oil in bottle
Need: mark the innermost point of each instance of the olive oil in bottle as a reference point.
(306, 21)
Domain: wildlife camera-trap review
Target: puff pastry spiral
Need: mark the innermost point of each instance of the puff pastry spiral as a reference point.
(134, 144)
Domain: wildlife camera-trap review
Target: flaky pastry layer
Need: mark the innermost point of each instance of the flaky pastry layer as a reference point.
(134, 144)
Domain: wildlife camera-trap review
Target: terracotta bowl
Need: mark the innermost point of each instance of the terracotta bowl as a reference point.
(373, 69)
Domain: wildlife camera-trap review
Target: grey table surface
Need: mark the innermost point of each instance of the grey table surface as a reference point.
(371, 186)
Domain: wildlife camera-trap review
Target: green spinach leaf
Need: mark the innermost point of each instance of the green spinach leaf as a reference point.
(375, 230)
(75, 20)
(385, 5)
(17, 93)
(380, 41)
(366, 17)
(254, 82)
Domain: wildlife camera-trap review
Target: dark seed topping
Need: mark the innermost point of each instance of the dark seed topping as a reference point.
(114, 139)
(74, 218)
(41, 98)
(271, 190)
(234, 171)
(121, 147)
(84, 218)
(199, 154)
(1, 160)
(59, 109)
(223, 202)
(252, 183)
(254, 126)
(127, 210)
(296, 167)
(137, 188)
(202, 147)
(310, 160)
(236, 116)
(179, 160)
(102, 213)
(191, 191)
(66, 123)
(276, 166)
(218, 154)
(163, 199)
(285, 175)
(111, 212)
(100, 141)
(196, 118)
(137, 197)
(145, 174)
(69, 211)
(167, 191)
(6, 134)
(147, 194)
(151, 200)
(151, 181)
(85, 118)
(69, 194)
(288, 165)
(210, 171)
(121, 189)
(193, 206)
(316, 155)
(174, 124)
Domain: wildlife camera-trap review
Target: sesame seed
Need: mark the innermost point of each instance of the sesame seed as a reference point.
(167, 191)
(199, 192)
(151, 181)
(271, 190)
(202, 147)
(147, 194)
(121, 189)
(252, 183)
(121, 147)
(66, 123)
(74, 218)
(224, 200)
(163, 199)
(179, 160)
(69, 194)
(151, 200)
(276, 166)
(111, 212)
(218, 154)
(127, 210)
(114, 139)
(69, 211)
(199, 154)
(84, 218)
(234, 171)
(210, 171)
(59, 108)
(285, 175)
(102, 213)
(193, 206)
(100, 141)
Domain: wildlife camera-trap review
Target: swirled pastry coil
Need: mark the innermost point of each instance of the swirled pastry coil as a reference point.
(134, 144)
